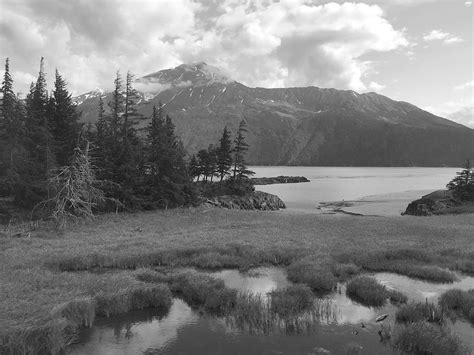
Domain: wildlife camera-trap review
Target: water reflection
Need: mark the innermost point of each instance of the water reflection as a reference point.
(185, 331)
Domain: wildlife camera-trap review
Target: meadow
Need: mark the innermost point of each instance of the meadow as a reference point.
(54, 282)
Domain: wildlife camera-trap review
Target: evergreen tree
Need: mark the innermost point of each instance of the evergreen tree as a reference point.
(155, 142)
(117, 107)
(463, 184)
(64, 123)
(240, 169)
(10, 132)
(193, 168)
(39, 160)
(130, 104)
(224, 154)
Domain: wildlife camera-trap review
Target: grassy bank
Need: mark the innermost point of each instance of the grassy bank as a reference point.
(43, 272)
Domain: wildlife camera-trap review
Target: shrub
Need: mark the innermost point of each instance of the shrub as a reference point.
(397, 297)
(315, 274)
(367, 290)
(460, 302)
(292, 300)
(426, 338)
(416, 312)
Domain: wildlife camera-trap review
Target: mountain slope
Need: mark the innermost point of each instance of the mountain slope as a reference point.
(297, 126)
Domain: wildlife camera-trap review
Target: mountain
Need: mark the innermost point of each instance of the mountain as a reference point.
(297, 126)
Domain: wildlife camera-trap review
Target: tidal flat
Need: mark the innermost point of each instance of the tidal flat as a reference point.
(82, 268)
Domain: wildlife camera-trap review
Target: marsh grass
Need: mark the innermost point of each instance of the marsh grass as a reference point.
(419, 311)
(317, 274)
(35, 282)
(292, 300)
(255, 313)
(397, 297)
(367, 291)
(416, 264)
(426, 338)
(459, 302)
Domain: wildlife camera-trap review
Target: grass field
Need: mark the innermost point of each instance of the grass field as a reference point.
(44, 276)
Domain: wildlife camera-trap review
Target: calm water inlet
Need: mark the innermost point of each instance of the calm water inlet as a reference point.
(186, 331)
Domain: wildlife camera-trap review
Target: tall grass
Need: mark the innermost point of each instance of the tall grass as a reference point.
(459, 302)
(416, 264)
(316, 274)
(426, 338)
(367, 291)
(419, 311)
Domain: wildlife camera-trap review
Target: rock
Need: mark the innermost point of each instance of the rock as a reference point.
(279, 180)
(439, 202)
(256, 200)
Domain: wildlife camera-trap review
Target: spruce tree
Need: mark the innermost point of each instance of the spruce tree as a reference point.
(130, 105)
(240, 170)
(224, 154)
(193, 168)
(463, 184)
(10, 132)
(64, 123)
(116, 107)
(39, 160)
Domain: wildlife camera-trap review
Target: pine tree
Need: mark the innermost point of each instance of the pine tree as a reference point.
(10, 132)
(193, 168)
(117, 107)
(463, 184)
(39, 160)
(224, 154)
(240, 170)
(64, 123)
(130, 105)
(155, 142)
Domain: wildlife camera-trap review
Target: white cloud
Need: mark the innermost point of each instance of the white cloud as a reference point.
(468, 85)
(439, 35)
(468, 3)
(286, 43)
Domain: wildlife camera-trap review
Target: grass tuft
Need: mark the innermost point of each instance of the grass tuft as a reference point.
(426, 338)
(396, 297)
(459, 302)
(292, 300)
(315, 274)
(367, 291)
(419, 311)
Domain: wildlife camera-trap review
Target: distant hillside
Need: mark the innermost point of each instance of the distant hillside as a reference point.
(297, 126)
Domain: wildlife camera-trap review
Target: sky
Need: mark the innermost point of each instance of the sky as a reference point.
(419, 51)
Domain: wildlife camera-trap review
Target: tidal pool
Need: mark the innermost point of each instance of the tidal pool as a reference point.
(351, 328)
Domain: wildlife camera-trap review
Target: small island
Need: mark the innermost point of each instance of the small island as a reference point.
(457, 198)
(279, 180)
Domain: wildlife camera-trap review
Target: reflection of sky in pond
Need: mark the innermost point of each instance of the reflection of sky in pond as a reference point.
(258, 281)
(418, 290)
(185, 331)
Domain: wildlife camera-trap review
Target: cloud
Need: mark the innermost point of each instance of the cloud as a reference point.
(439, 35)
(468, 85)
(468, 3)
(286, 43)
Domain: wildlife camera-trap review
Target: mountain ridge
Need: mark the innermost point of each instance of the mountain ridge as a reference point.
(299, 125)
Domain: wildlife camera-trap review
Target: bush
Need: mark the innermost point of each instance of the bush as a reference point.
(315, 274)
(367, 291)
(460, 302)
(425, 338)
(421, 311)
(292, 300)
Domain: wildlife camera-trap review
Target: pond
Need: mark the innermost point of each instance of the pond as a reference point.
(351, 327)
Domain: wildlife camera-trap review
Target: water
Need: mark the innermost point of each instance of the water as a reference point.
(348, 183)
(185, 331)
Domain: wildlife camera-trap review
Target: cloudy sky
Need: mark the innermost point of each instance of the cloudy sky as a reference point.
(419, 51)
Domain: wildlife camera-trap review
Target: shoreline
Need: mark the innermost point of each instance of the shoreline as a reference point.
(380, 205)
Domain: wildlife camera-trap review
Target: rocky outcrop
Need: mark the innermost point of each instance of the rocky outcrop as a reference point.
(439, 202)
(256, 200)
(278, 180)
